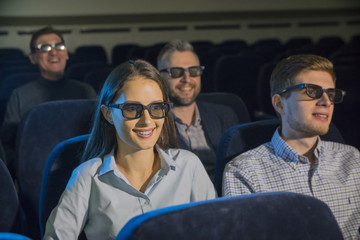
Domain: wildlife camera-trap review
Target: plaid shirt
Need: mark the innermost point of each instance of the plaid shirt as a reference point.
(194, 138)
(275, 166)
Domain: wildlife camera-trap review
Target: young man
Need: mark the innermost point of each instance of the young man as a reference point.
(48, 52)
(297, 160)
(199, 125)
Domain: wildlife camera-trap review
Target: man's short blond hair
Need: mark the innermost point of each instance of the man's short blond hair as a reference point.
(285, 72)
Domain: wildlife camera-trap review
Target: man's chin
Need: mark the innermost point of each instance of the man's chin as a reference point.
(321, 132)
(181, 102)
(318, 131)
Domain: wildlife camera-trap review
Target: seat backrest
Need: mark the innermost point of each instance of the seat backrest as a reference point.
(347, 78)
(78, 71)
(96, 53)
(243, 137)
(259, 216)
(11, 54)
(9, 202)
(2, 153)
(329, 44)
(43, 127)
(63, 159)
(228, 99)
(238, 74)
(12, 236)
(264, 107)
(97, 77)
(297, 42)
(152, 52)
(18, 68)
(122, 52)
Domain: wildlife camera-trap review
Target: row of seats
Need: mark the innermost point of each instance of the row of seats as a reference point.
(207, 50)
(122, 52)
(45, 161)
(226, 71)
(209, 53)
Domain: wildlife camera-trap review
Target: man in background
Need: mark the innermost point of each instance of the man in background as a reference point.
(199, 125)
(49, 53)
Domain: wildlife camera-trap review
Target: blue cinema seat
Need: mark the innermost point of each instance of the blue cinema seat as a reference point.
(260, 216)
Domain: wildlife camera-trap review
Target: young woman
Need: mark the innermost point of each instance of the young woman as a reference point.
(131, 164)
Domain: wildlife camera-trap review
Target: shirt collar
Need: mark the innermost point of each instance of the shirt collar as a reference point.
(109, 164)
(283, 150)
(52, 84)
(197, 117)
(167, 162)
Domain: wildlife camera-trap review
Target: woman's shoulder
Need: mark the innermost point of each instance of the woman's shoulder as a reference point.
(181, 156)
(90, 167)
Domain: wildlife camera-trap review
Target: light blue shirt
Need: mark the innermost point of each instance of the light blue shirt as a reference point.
(100, 200)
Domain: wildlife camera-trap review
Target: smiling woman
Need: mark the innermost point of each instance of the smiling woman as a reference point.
(131, 164)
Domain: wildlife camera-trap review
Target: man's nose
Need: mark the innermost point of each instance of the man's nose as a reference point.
(186, 77)
(324, 99)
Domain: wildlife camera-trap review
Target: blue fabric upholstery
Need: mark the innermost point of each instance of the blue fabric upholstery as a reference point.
(12, 236)
(64, 158)
(96, 77)
(78, 71)
(43, 127)
(270, 216)
(89, 53)
(122, 52)
(228, 99)
(238, 74)
(9, 202)
(2, 153)
(265, 109)
(244, 137)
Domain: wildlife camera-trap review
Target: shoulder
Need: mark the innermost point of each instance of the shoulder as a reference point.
(252, 158)
(335, 148)
(338, 146)
(182, 157)
(25, 92)
(26, 87)
(89, 168)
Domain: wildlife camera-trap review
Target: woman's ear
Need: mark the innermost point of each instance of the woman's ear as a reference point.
(106, 113)
(276, 101)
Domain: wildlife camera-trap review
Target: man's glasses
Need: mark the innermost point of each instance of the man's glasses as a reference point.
(136, 110)
(315, 92)
(176, 72)
(49, 47)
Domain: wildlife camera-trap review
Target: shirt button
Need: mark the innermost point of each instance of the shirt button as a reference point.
(146, 203)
